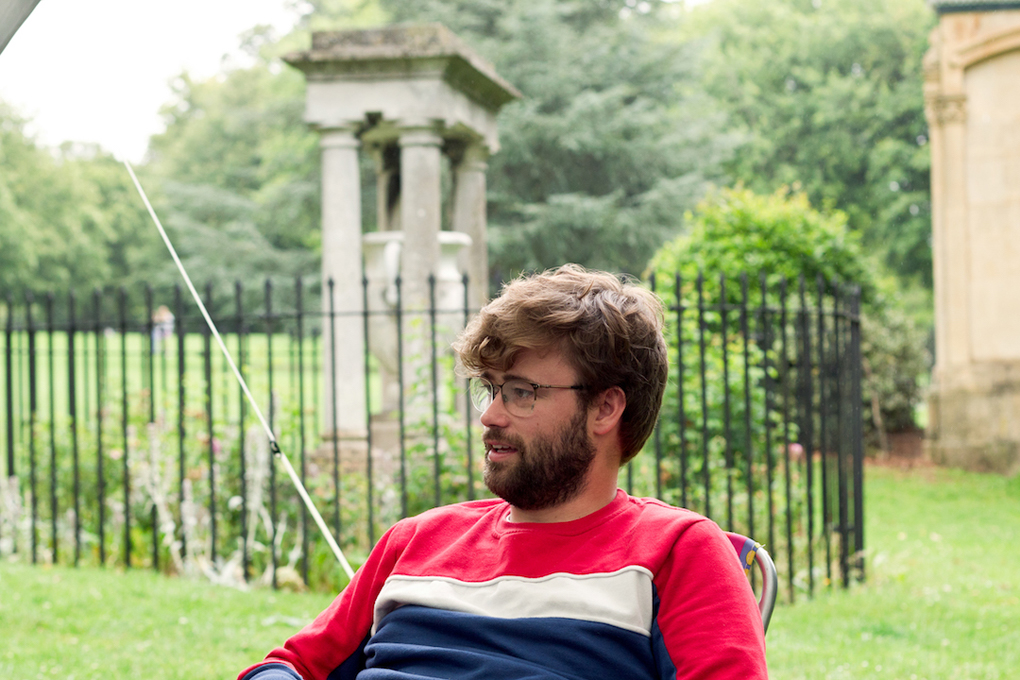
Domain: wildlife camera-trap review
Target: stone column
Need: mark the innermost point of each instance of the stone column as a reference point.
(469, 217)
(950, 232)
(341, 262)
(420, 211)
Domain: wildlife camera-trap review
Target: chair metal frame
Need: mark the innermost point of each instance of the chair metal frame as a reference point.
(749, 552)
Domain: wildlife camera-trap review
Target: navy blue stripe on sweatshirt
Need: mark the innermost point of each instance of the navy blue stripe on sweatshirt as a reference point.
(418, 643)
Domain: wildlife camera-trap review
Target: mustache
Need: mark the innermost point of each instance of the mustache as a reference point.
(501, 435)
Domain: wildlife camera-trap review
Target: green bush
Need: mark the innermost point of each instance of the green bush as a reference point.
(781, 241)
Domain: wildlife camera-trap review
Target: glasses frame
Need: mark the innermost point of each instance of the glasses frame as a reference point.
(495, 388)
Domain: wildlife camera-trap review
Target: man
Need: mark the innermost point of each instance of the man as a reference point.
(567, 576)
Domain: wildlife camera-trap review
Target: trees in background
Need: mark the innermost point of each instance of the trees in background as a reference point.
(631, 111)
(238, 174)
(67, 217)
(613, 139)
(827, 97)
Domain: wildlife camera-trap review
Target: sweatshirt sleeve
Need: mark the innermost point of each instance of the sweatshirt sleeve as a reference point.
(336, 638)
(707, 620)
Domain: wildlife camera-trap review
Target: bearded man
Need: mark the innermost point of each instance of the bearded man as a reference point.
(564, 576)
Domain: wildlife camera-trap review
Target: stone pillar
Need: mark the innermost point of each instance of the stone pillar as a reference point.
(420, 211)
(950, 242)
(341, 262)
(469, 217)
(973, 110)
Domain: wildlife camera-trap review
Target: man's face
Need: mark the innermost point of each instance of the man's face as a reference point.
(542, 459)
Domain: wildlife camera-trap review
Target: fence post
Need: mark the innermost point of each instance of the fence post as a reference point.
(207, 361)
(807, 427)
(368, 412)
(823, 435)
(468, 407)
(272, 416)
(727, 430)
(181, 432)
(844, 438)
(858, 427)
(241, 403)
(435, 391)
(399, 311)
(705, 467)
(51, 380)
(149, 363)
(97, 303)
(11, 474)
(33, 406)
(767, 383)
(681, 410)
(126, 472)
(748, 451)
(330, 285)
(9, 384)
(657, 441)
(72, 408)
(784, 361)
(299, 291)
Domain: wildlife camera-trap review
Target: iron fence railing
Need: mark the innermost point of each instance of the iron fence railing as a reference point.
(128, 442)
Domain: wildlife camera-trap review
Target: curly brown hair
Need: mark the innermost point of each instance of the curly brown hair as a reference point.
(609, 330)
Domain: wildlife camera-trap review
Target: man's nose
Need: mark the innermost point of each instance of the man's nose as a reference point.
(495, 414)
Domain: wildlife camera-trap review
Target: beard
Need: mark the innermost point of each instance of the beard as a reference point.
(549, 471)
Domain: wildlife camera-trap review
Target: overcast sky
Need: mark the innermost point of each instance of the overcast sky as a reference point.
(97, 71)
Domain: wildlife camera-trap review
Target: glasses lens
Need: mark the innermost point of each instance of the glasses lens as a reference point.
(519, 397)
(481, 393)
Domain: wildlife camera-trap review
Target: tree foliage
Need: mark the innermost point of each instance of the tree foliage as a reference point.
(828, 98)
(239, 174)
(735, 232)
(68, 218)
(611, 141)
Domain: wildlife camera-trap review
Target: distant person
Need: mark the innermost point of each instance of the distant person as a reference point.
(162, 326)
(565, 576)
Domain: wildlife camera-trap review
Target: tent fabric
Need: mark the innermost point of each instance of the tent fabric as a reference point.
(12, 14)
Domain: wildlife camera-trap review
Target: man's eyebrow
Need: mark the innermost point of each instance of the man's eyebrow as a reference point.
(508, 376)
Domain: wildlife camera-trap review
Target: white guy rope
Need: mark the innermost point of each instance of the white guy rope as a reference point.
(244, 386)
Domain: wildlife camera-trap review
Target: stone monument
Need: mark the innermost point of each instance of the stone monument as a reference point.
(410, 96)
(972, 102)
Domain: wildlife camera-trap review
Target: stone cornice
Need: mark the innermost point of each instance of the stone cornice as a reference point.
(404, 51)
(950, 6)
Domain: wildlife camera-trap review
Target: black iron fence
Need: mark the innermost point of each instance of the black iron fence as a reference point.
(129, 442)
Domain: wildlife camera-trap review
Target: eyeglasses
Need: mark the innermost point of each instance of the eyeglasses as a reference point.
(518, 395)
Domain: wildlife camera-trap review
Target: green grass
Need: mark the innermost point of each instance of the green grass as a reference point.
(942, 600)
(89, 623)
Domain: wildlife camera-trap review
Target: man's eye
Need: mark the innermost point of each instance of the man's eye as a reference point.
(521, 393)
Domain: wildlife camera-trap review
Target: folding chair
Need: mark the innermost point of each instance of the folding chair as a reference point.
(749, 552)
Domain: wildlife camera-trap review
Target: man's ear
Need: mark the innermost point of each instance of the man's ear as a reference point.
(608, 410)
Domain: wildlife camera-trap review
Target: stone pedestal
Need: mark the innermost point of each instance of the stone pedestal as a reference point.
(414, 97)
(972, 102)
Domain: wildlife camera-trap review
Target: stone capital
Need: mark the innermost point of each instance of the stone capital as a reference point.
(474, 159)
(338, 138)
(945, 109)
(419, 135)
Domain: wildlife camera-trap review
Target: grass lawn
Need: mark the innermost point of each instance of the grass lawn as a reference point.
(942, 600)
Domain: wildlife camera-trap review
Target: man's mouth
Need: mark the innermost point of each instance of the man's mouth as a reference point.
(499, 450)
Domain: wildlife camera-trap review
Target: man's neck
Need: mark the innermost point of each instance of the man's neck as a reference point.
(584, 504)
